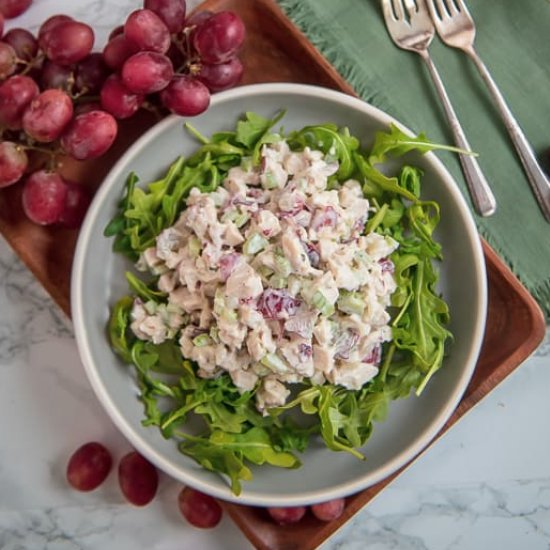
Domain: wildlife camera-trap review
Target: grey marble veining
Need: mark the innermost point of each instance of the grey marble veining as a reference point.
(484, 485)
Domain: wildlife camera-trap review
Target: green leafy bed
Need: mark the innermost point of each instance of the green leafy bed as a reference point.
(235, 434)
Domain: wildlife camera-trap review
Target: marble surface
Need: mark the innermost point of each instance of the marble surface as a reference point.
(484, 485)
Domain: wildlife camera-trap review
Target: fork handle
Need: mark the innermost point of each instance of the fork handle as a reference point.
(535, 175)
(480, 192)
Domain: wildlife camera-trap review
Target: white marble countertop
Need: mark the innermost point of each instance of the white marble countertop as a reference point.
(484, 485)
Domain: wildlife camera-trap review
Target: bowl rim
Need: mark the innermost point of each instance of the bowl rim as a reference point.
(222, 491)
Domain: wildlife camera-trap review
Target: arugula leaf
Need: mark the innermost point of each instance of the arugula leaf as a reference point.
(251, 130)
(333, 141)
(226, 452)
(398, 143)
(119, 322)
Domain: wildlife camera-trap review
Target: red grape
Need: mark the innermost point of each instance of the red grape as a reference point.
(76, 205)
(222, 76)
(13, 8)
(117, 51)
(86, 107)
(199, 509)
(1, 24)
(172, 12)
(138, 479)
(23, 42)
(91, 73)
(284, 516)
(117, 99)
(13, 163)
(219, 37)
(330, 510)
(8, 60)
(15, 95)
(49, 25)
(56, 76)
(89, 135)
(147, 30)
(47, 115)
(147, 72)
(69, 42)
(89, 466)
(185, 96)
(44, 195)
(198, 17)
(116, 31)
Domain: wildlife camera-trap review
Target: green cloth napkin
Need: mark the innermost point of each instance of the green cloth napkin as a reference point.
(513, 39)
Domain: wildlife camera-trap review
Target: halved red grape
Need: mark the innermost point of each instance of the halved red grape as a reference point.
(199, 509)
(55, 76)
(49, 25)
(69, 42)
(286, 516)
(219, 37)
(330, 510)
(44, 195)
(147, 72)
(23, 42)
(89, 466)
(15, 95)
(91, 73)
(76, 205)
(172, 12)
(185, 96)
(13, 163)
(138, 479)
(147, 30)
(47, 115)
(117, 51)
(8, 60)
(117, 99)
(89, 135)
(13, 8)
(221, 76)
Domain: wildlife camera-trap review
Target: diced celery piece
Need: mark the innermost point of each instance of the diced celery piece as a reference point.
(351, 303)
(274, 363)
(236, 216)
(254, 244)
(282, 266)
(270, 181)
(214, 333)
(277, 281)
(150, 307)
(194, 246)
(322, 304)
(241, 219)
(201, 340)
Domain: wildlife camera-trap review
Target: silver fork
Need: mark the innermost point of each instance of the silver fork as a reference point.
(415, 34)
(456, 28)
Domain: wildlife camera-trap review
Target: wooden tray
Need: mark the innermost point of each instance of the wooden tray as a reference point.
(275, 51)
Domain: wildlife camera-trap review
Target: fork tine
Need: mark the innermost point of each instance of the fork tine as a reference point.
(388, 11)
(398, 9)
(441, 10)
(461, 6)
(451, 7)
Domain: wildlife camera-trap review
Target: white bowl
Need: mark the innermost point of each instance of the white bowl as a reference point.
(98, 280)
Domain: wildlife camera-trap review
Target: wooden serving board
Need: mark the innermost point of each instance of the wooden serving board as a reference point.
(275, 51)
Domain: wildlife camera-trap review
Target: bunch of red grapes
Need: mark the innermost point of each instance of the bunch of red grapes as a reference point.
(57, 97)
